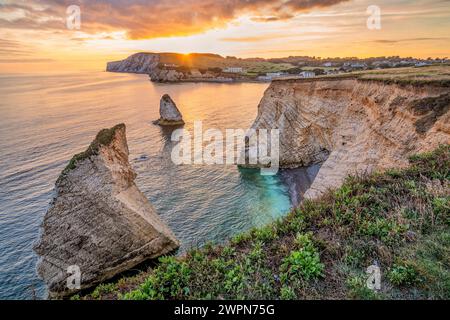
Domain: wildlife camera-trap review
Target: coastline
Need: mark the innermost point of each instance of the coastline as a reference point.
(195, 80)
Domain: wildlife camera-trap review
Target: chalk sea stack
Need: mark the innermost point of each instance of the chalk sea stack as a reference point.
(99, 220)
(169, 113)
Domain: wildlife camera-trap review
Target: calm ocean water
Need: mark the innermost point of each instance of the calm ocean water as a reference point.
(45, 119)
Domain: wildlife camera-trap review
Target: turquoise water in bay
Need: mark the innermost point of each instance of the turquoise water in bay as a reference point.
(45, 119)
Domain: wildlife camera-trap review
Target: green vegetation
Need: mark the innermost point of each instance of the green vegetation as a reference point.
(205, 61)
(261, 68)
(402, 275)
(304, 263)
(435, 75)
(399, 218)
(430, 75)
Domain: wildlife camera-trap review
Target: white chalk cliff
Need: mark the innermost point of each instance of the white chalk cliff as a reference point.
(99, 220)
(353, 126)
(137, 63)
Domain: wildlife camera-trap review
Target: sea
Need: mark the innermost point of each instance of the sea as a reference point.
(46, 118)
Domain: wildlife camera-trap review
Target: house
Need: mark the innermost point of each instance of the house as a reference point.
(422, 64)
(380, 64)
(328, 64)
(264, 78)
(271, 75)
(274, 74)
(233, 70)
(358, 65)
(307, 74)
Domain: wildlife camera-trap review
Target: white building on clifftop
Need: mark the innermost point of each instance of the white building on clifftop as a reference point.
(307, 74)
(233, 70)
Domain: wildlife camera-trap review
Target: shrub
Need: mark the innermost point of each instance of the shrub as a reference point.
(265, 234)
(441, 208)
(354, 256)
(228, 251)
(170, 280)
(234, 279)
(402, 275)
(384, 229)
(102, 290)
(287, 293)
(358, 289)
(304, 262)
(241, 238)
(257, 252)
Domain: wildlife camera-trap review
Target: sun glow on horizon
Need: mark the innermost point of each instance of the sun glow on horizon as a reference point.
(417, 29)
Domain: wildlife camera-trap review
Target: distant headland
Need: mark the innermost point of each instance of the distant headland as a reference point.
(208, 67)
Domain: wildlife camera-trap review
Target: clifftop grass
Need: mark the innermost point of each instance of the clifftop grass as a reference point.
(429, 75)
(398, 220)
(438, 76)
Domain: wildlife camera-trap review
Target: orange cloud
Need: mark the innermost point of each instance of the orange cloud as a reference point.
(145, 19)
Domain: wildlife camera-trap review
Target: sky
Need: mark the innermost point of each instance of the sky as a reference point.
(42, 35)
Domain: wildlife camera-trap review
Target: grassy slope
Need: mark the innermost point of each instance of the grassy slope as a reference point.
(205, 61)
(438, 75)
(399, 218)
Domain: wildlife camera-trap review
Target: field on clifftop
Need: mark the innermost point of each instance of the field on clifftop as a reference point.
(206, 61)
(398, 219)
(437, 74)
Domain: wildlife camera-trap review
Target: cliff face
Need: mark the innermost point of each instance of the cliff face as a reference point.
(152, 64)
(146, 63)
(99, 220)
(159, 75)
(353, 125)
(136, 63)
